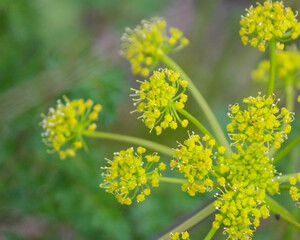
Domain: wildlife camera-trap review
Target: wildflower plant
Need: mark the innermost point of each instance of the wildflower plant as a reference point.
(242, 171)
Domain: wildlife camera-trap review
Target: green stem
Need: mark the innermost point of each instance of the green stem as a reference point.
(285, 178)
(284, 187)
(275, 207)
(192, 221)
(202, 103)
(290, 93)
(137, 141)
(272, 67)
(171, 180)
(211, 233)
(194, 121)
(287, 149)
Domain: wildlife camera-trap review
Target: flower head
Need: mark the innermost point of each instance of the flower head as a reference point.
(240, 211)
(158, 99)
(144, 45)
(128, 175)
(287, 66)
(63, 125)
(195, 160)
(268, 21)
(262, 122)
(249, 173)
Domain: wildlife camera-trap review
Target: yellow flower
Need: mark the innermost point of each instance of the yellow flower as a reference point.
(195, 161)
(248, 175)
(63, 125)
(158, 99)
(144, 45)
(262, 123)
(129, 174)
(267, 21)
(178, 236)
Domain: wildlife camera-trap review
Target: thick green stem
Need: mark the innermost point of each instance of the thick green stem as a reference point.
(285, 178)
(290, 93)
(284, 187)
(194, 121)
(287, 149)
(275, 207)
(134, 140)
(272, 67)
(202, 104)
(210, 234)
(171, 180)
(192, 221)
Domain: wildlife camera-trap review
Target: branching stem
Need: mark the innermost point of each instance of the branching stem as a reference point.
(219, 134)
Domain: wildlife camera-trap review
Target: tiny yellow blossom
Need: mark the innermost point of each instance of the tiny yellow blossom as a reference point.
(292, 181)
(179, 236)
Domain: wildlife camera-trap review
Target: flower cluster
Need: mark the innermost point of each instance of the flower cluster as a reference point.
(64, 124)
(144, 45)
(287, 66)
(239, 210)
(263, 122)
(268, 21)
(178, 236)
(249, 173)
(195, 160)
(295, 191)
(158, 99)
(128, 175)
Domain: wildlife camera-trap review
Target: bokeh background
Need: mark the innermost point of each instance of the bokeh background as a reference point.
(50, 48)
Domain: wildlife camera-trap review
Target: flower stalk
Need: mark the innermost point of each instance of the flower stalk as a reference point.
(275, 207)
(271, 82)
(192, 221)
(211, 233)
(286, 150)
(201, 102)
(194, 120)
(129, 139)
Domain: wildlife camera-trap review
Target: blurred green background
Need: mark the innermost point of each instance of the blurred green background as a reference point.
(50, 48)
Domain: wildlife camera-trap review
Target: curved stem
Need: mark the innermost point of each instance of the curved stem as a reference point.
(287, 149)
(171, 180)
(210, 234)
(137, 141)
(271, 82)
(275, 207)
(192, 221)
(202, 104)
(194, 121)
